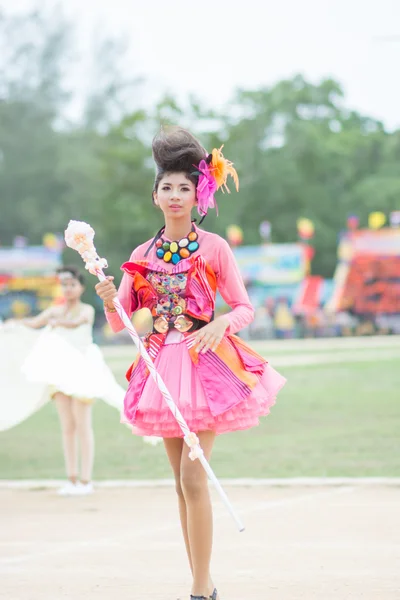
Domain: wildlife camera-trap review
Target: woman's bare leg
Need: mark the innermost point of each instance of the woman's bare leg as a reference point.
(194, 485)
(68, 432)
(83, 418)
(174, 447)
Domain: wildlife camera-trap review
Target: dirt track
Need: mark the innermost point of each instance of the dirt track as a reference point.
(317, 543)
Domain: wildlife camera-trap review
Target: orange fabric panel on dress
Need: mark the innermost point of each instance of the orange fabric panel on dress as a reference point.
(248, 349)
(227, 352)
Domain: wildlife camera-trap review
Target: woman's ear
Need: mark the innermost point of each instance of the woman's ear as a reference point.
(155, 201)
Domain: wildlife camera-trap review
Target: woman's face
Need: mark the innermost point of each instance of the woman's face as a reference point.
(175, 195)
(71, 287)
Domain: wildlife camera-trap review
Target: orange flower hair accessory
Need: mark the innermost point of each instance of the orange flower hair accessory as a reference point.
(220, 168)
(213, 172)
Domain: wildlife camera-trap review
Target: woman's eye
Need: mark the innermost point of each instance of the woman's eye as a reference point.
(165, 188)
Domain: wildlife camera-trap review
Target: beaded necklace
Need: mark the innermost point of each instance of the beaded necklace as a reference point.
(176, 251)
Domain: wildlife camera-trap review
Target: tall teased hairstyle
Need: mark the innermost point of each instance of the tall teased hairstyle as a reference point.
(73, 271)
(175, 150)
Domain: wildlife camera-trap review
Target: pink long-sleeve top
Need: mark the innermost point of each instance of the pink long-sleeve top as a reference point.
(217, 253)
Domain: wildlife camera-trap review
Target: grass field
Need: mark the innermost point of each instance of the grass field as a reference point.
(332, 419)
(339, 415)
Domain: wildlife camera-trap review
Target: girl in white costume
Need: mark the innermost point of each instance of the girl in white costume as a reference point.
(60, 362)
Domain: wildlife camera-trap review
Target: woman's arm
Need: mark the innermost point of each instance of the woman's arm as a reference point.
(125, 297)
(231, 287)
(41, 320)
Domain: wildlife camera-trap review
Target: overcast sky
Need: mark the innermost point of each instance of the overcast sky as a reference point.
(209, 48)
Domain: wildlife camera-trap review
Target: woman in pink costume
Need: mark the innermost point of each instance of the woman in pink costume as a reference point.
(217, 381)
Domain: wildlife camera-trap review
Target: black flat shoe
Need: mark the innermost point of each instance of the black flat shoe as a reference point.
(214, 595)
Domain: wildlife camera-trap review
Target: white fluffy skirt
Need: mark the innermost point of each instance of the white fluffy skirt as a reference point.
(34, 364)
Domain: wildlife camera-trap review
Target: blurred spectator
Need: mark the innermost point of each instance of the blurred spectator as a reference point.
(262, 327)
(284, 321)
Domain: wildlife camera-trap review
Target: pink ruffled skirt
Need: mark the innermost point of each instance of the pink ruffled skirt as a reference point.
(199, 395)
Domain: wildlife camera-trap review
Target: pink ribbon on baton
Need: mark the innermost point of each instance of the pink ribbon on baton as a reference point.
(79, 236)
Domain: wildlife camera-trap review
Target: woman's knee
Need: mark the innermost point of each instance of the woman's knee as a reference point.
(68, 427)
(83, 417)
(178, 486)
(84, 429)
(193, 486)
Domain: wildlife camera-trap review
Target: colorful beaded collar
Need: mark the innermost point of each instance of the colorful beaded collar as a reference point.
(176, 251)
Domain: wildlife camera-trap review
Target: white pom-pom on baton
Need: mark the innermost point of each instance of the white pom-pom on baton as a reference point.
(79, 236)
(194, 444)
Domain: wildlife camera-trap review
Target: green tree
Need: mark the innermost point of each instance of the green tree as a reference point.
(301, 153)
(298, 150)
(32, 53)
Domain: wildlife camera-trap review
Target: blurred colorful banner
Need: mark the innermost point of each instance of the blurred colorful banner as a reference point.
(309, 295)
(27, 279)
(271, 265)
(367, 278)
(383, 241)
